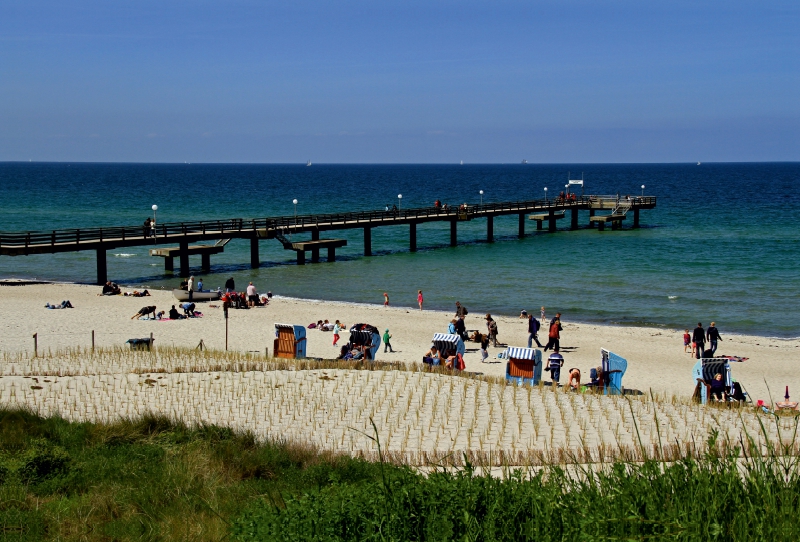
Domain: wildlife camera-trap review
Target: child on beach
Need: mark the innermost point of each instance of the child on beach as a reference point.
(337, 327)
(386, 338)
(543, 317)
(385, 299)
(419, 298)
(484, 340)
(687, 339)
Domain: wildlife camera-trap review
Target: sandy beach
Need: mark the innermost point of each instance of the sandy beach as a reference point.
(656, 360)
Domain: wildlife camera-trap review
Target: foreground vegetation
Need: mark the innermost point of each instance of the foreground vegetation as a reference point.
(154, 479)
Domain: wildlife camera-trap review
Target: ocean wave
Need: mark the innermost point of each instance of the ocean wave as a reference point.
(124, 255)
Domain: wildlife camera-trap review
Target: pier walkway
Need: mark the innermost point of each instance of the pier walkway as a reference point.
(182, 234)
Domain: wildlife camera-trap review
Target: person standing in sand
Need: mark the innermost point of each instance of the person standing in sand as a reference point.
(387, 337)
(190, 288)
(337, 327)
(712, 334)
(419, 298)
(542, 318)
(687, 342)
(385, 299)
(461, 310)
(554, 363)
(230, 285)
(699, 340)
(491, 326)
(574, 379)
(252, 295)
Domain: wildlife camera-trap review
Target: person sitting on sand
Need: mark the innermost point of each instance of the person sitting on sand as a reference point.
(188, 309)
(145, 311)
(431, 355)
(159, 315)
(174, 314)
(111, 288)
(574, 379)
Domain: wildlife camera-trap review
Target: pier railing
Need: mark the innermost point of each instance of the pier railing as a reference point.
(239, 227)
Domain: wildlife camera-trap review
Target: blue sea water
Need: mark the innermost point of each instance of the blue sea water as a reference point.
(721, 245)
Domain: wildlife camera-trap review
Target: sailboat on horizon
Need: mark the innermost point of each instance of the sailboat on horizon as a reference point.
(309, 163)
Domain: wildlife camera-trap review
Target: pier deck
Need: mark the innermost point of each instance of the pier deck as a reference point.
(184, 233)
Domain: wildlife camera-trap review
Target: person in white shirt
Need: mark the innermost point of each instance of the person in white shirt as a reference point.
(252, 295)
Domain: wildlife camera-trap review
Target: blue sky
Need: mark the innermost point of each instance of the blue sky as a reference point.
(386, 81)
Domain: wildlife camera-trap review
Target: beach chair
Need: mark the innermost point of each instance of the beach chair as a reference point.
(366, 335)
(524, 366)
(290, 341)
(446, 342)
(613, 368)
(703, 373)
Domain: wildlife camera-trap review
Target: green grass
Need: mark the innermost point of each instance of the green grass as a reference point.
(147, 479)
(152, 479)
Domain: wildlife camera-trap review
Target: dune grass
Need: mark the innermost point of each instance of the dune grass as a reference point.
(154, 479)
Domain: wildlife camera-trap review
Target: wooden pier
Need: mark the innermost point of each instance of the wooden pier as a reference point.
(186, 235)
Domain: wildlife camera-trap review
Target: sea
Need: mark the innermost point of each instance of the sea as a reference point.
(722, 243)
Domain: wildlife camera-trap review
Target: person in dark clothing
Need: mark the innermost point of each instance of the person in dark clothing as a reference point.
(148, 226)
(230, 286)
(491, 326)
(712, 334)
(699, 338)
(533, 330)
(461, 328)
(461, 310)
(175, 315)
(718, 388)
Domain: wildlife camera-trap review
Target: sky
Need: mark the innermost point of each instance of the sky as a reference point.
(399, 81)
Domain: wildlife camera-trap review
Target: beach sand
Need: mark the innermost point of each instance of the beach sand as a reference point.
(656, 360)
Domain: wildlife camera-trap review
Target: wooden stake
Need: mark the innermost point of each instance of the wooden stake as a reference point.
(92, 340)
(36, 345)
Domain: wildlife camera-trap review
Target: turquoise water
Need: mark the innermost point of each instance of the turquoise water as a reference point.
(721, 245)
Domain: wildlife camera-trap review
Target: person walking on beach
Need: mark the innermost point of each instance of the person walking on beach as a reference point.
(484, 340)
(190, 287)
(419, 298)
(533, 330)
(554, 335)
(554, 363)
(461, 328)
(687, 342)
(712, 334)
(337, 327)
(461, 310)
(386, 338)
(491, 325)
(385, 299)
(699, 339)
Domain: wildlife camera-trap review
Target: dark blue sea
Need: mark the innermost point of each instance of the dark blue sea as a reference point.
(721, 245)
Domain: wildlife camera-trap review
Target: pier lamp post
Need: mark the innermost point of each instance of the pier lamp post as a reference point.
(399, 201)
(295, 207)
(642, 190)
(545, 193)
(154, 208)
(481, 197)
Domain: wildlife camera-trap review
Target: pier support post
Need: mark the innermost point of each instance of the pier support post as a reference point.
(636, 218)
(367, 241)
(453, 233)
(574, 225)
(591, 214)
(601, 226)
(102, 270)
(184, 258)
(301, 257)
(551, 217)
(490, 229)
(315, 251)
(331, 254)
(412, 236)
(255, 263)
(169, 264)
(205, 262)
(539, 225)
(521, 225)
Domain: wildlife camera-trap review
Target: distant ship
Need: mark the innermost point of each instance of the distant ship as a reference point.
(698, 163)
(462, 162)
(309, 163)
(524, 161)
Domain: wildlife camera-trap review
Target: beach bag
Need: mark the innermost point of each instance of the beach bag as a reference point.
(459, 364)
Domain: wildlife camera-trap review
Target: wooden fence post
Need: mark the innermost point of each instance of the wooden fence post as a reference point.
(36, 345)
